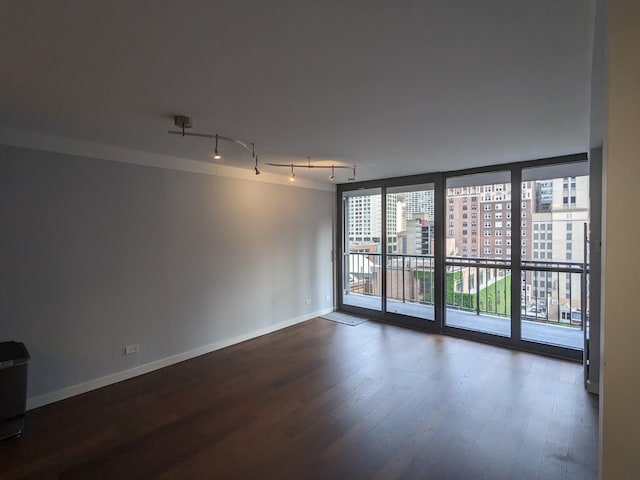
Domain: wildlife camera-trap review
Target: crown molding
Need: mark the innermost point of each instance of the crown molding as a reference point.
(69, 146)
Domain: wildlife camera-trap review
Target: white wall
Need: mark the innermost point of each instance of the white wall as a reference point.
(98, 254)
(620, 367)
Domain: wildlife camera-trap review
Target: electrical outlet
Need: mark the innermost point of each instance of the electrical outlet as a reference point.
(308, 301)
(129, 349)
(327, 297)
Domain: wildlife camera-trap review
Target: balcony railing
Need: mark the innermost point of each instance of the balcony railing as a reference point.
(551, 292)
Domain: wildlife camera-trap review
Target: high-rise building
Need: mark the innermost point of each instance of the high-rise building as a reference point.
(479, 220)
(365, 220)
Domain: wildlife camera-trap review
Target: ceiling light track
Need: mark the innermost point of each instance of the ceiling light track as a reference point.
(310, 165)
(184, 123)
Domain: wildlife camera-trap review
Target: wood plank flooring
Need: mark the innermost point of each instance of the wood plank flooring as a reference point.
(324, 400)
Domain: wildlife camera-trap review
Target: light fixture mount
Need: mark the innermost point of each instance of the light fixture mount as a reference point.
(182, 122)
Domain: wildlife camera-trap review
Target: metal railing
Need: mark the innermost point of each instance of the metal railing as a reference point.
(410, 278)
(551, 292)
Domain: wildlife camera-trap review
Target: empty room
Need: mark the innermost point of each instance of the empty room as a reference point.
(319, 239)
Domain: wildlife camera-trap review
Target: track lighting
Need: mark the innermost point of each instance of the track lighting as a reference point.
(216, 154)
(182, 123)
(310, 165)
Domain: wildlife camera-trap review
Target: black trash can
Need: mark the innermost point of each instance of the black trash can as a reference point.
(14, 359)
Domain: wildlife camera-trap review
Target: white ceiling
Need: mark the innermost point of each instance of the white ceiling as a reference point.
(395, 87)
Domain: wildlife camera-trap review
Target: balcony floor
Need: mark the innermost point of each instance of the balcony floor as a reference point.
(570, 337)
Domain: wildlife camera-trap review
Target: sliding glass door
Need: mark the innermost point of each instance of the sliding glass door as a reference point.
(410, 264)
(554, 215)
(478, 253)
(362, 249)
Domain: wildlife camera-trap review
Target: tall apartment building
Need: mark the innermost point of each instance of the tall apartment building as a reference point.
(479, 220)
(562, 209)
(364, 222)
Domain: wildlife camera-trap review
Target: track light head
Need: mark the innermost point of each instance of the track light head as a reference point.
(293, 175)
(216, 154)
(352, 179)
(332, 176)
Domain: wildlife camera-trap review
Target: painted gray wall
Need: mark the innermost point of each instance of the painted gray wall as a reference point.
(96, 255)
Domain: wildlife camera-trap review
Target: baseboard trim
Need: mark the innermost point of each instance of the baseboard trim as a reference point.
(116, 377)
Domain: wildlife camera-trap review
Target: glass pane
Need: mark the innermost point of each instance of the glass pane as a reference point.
(362, 272)
(555, 208)
(410, 261)
(478, 248)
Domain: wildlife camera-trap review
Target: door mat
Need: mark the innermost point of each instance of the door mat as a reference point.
(344, 318)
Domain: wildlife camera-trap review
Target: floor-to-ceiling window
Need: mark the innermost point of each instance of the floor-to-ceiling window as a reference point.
(410, 265)
(478, 252)
(554, 271)
(362, 249)
(497, 254)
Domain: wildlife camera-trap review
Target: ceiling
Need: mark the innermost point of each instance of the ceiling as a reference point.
(394, 87)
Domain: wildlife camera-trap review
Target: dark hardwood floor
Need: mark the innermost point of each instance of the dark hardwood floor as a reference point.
(325, 400)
